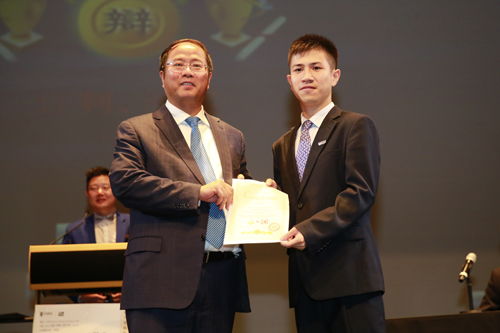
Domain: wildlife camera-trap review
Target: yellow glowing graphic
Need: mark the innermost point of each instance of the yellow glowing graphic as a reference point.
(230, 17)
(21, 16)
(128, 28)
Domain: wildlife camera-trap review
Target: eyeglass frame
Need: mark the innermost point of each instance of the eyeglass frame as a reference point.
(186, 65)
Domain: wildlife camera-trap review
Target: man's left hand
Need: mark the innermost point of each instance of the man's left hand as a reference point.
(293, 238)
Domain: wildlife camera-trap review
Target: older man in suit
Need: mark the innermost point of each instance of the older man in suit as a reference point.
(329, 167)
(173, 169)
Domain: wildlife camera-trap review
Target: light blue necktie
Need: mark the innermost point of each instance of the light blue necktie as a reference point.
(216, 219)
(304, 148)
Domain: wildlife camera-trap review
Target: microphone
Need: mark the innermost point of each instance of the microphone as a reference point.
(467, 267)
(69, 231)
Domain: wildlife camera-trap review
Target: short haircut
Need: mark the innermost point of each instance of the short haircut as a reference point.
(164, 54)
(96, 172)
(310, 42)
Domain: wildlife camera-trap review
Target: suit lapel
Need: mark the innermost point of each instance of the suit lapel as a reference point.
(323, 135)
(90, 228)
(222, 147)
(290, 156)
(166, 123)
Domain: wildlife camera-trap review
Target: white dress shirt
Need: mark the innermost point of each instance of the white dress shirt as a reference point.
(208, 141)
(317, 120)
(105, 228)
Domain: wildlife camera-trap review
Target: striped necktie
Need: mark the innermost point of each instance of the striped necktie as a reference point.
(216, 218)
(304, 148)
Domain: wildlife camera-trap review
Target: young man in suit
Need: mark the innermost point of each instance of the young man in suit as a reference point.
(173, 169)
(329, 167)
(105, 225)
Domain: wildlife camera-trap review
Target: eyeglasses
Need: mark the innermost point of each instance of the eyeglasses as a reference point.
(179, 67)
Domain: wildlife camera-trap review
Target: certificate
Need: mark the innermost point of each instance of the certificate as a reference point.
(258, 214)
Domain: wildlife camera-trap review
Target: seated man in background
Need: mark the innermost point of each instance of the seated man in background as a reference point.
(105, 225)
(491, 299)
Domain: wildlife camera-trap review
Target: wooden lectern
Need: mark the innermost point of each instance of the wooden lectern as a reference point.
(73, 269)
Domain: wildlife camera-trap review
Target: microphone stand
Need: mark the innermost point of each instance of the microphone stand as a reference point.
(469, 291)
(471, 300)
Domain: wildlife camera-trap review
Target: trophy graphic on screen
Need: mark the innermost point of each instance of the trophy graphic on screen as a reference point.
(230, 16)
(21, 16)
(127, 28)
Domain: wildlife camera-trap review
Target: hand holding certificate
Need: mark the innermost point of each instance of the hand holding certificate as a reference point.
(259, 214)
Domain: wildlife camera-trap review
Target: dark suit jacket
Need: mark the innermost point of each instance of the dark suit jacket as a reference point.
(491, 299)
(331, 207)
(154, 174)
(86, 232)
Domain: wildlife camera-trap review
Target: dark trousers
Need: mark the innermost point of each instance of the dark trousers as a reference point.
(212, 310)
(353, 314)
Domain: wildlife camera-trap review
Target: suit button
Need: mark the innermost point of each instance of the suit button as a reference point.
(300, 205)
(203, 237)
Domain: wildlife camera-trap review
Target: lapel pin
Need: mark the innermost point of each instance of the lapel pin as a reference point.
(321, 143)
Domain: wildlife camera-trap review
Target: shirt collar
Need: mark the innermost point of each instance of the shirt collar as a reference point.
(319, 116)
(181, 116)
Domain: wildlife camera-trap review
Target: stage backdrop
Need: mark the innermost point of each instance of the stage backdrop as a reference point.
(426, 72)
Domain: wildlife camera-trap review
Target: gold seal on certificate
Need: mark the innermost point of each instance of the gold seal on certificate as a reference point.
(259, 214)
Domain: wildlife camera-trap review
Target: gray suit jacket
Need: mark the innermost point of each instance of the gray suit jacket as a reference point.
(154, 174)
(331, 207)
